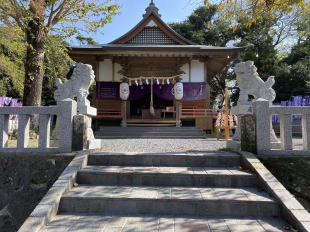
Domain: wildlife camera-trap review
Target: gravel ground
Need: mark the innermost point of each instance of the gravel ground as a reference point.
(161, 145)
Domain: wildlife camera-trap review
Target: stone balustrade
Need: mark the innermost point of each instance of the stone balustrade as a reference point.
(263, 113)
(65, 111)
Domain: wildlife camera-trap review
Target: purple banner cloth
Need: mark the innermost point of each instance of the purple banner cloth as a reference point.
(192, 91)
(107, 90)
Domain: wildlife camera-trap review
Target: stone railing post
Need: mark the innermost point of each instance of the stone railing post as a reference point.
(286, 132)
(306, 131)
(44, 130)
(4, 130)
(263, 125)
(67, 109)
(23, 131)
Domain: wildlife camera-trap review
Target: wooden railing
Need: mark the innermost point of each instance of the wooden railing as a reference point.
(115, 112)
(192, 113)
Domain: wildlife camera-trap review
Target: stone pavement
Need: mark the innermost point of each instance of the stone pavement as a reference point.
(162, 145)
(177, 192)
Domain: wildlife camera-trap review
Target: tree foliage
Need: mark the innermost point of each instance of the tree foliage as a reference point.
(254, 10)
(38, 19)
(204, 26)
(86, 40)
(12, 56)
(293, 73)
(262, 40)
(57, 63)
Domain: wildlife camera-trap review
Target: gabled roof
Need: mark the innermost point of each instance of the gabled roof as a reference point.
(152, 30)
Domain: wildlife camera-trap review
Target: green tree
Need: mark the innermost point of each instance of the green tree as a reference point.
(12, 56)
(255, 10)
(86, 40)
(37, 19)
(204, 26)
(57, 64)
(293, 73)
(259, 46)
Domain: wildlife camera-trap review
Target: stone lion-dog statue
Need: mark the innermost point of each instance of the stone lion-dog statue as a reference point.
(250, 83)
(77, 87)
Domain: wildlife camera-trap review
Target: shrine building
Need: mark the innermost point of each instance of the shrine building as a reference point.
(152, 75)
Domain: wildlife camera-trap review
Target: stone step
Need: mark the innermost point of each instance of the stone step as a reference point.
(128, 200)
(166, 176)
(191, 132)
(148, 137)
(103, 128)
(149, 131)
(186, 159)
(151, 223)
(151, 124)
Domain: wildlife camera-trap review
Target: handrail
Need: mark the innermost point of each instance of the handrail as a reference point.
(65, 110)
(263, 112)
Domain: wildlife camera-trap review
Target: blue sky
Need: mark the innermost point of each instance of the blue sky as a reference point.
(131, 12)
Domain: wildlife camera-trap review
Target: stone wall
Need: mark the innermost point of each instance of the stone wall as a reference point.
(24, 180)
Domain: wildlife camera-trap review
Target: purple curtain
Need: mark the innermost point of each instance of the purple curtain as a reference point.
(139, 92)
(164, 91)
(107, 90)
(192, 91)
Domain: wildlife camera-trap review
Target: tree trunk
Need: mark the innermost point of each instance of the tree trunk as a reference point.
(34, 65)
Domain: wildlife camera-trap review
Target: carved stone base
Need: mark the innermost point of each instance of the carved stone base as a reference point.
(233, 145)
(241, 110)
(178, 124)
(124, 124)
(87, 110)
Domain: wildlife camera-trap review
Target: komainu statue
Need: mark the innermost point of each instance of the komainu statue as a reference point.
(250, 83)
(77, 87)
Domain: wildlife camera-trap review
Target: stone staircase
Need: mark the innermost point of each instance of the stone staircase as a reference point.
(166, 192)
(149, 132)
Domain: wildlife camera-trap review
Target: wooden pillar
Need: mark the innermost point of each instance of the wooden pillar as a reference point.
(124, 114)
(178, 113)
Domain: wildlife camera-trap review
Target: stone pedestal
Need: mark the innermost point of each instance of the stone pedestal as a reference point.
(248, 133)
(246, 137)
(83, 135)
(87, 110)
(240, 110)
